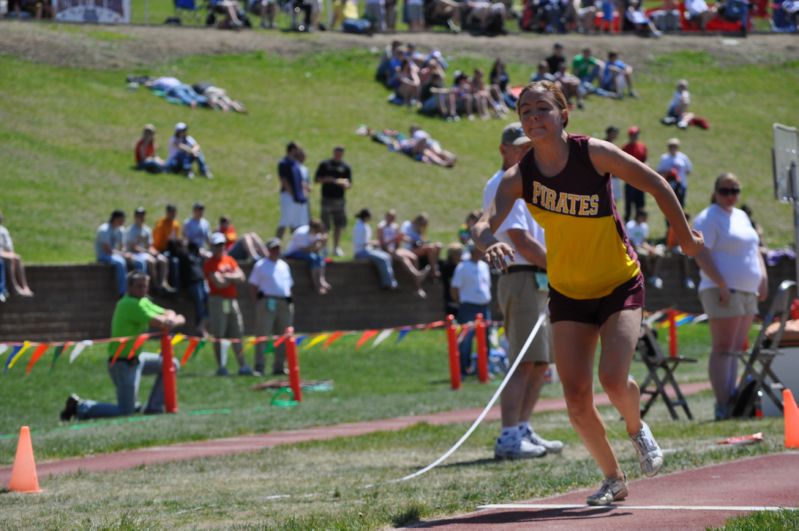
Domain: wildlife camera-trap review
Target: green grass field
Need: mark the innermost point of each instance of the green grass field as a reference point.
(66, 139)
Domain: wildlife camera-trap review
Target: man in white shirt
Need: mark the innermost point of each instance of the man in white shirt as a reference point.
(471, 288)
(675, 167)
(270, 285)
(522, 294)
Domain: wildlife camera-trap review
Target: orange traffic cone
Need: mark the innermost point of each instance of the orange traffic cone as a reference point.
(791, 419)
(23, 475)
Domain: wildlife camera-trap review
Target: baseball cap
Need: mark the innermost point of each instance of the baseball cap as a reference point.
(633, 130)
(673, 142)
(199, 205)
(149, 127)
(180, 126)
(273, 243)
(218, 238)
(513, 135)
(140, 210)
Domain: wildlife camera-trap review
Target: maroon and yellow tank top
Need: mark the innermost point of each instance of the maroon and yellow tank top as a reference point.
(588, 252)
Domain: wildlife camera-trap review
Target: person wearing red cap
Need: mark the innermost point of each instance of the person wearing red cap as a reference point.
(632, 195)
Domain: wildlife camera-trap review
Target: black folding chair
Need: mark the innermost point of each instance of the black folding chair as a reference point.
(757, 362)
(660, 377)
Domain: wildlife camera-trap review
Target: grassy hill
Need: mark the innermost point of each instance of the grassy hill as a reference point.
(67, 135)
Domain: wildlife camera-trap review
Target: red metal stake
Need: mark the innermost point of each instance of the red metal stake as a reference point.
(672, 333)
(294, 364)
(454, 358)
(168, 374)
(482, 349)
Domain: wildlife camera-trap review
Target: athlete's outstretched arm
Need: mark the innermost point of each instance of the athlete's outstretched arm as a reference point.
(608, 158)
(509, 190)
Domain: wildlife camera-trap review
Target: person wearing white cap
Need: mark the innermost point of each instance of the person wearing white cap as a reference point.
(677, 112)
(225, 322)
(522, 294)
(184, 151)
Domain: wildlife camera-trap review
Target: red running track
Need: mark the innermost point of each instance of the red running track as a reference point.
(765, 481)
(236, 445)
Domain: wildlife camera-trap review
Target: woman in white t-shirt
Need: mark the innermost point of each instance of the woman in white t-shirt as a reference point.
(733, 279)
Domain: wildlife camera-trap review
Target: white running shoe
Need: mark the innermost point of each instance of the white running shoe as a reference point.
(650, 456)
(517, 449)
(612, 489)
(553, 447)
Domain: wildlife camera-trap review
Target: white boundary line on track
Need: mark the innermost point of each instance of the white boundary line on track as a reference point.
(634, 507)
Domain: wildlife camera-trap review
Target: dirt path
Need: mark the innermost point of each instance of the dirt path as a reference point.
(129, 46)
(691, 499)
(235, 445)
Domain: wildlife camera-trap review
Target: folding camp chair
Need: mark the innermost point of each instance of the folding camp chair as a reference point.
(757, 362)
(193, 7)
(661, 374)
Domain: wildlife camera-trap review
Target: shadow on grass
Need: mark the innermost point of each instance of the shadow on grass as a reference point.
(601, 515)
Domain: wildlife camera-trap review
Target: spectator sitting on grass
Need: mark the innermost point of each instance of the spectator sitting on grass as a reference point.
(11, 260)
(587, 69)
(146, 259)
(542, 73)
(499, 78)
(249, 247)
(306, 244)
(464, 101)
(407, 91)
(617, 76)
(146, 159)
(436, 98)
(677, 112)
(133, 315)
(108, 247)
(638, 231)
(184, 151)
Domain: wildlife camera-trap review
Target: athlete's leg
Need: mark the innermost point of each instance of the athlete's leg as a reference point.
(619, 336)
(575, 344)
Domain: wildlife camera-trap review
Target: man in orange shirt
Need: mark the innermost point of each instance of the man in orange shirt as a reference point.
(166, 229)
(223, 273)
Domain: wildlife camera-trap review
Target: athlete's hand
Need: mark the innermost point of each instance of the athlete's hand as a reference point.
(499, 255)
(696, 244)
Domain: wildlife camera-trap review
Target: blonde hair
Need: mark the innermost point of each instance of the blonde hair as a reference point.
(726, 176)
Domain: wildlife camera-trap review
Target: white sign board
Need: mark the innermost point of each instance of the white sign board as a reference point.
(92, 11)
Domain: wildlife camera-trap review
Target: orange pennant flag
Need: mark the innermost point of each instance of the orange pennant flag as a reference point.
(40, 350)
(137, 345)
(333, 337)
(189, 350)
(367, 335)
(119, 350)
(280, 340)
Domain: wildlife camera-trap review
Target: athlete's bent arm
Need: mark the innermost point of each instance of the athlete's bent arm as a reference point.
(510, 189)
(530, 248)
(608, 158)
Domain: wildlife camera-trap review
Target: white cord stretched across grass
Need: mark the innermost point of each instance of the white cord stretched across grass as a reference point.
(488, 407)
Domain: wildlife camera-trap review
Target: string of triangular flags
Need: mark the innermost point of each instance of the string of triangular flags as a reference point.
(15, 351)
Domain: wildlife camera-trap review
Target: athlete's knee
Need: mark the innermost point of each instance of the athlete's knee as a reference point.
(613, 382)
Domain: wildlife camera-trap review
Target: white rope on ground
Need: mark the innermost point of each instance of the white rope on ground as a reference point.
(488, 407)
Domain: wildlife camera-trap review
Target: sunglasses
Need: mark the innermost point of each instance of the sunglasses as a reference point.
(729, 191)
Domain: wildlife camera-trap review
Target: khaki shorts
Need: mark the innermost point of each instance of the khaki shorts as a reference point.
(521, 303)
(741, 303)
(224, 317)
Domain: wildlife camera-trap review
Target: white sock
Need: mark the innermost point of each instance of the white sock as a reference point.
(524, 426)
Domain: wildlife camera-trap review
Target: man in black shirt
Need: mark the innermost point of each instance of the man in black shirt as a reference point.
(336, 177)
(556, 59)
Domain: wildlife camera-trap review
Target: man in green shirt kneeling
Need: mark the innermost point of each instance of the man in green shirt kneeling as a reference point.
(134, 315)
